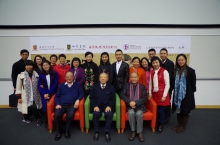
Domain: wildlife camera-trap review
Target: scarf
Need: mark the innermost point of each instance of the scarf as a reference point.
(155, 81)
(180, 90)
(134, 91)
(31, 89)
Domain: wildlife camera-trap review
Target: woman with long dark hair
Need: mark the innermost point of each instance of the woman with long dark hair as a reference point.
(105, 66)
(47, 85)
(38, 63)
(78, 72)
(184, 89)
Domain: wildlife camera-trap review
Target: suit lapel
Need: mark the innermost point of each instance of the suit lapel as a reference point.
(121, 67)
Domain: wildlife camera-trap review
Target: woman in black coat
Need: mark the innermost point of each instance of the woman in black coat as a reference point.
(184, 89)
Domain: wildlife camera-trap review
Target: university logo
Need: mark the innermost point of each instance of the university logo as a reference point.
(68, 47)
(126, 47)
(34, 47)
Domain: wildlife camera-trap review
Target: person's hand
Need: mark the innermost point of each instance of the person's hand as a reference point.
(107, 109)
(132, 104)
(163, 99)
(42, 86)
(96, 109)
(19, 101)
(149, 97)
(58, 107)
(76, 105)
(14, 89)
(46, 96)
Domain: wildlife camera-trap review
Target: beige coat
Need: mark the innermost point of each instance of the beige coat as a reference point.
(22, 107)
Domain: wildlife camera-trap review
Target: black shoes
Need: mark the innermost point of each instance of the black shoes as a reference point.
(159, 129)
(58, 136)
(107, 137)
(67, 135)
(39, 122)
(96, 137)
(141, 137)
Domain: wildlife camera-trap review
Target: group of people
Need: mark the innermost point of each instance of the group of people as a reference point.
(154, 78)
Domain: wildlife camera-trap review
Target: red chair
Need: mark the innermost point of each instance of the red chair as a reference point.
(79, 114)
(149, 115)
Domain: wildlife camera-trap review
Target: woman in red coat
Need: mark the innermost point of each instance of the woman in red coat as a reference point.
(158, 89)
(61, 69)
(136, 63)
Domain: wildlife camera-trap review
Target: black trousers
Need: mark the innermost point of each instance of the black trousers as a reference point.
(32, 110)
(108, 120)
(69, 110)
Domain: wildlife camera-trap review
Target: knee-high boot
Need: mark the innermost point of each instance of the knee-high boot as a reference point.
(179, 121)
(185, 119)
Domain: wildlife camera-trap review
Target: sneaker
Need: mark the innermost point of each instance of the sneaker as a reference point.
(39, 122)
(26, 120)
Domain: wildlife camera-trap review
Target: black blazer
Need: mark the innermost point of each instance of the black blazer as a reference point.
(102, 100)
(140, 103)
(122, 77)
(188, 103)
(169, 66)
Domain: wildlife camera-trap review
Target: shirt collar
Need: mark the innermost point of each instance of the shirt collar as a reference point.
(102, 84)
(119, 62)
(68, 84)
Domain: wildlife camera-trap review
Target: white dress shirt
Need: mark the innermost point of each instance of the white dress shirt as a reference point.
(118, 64)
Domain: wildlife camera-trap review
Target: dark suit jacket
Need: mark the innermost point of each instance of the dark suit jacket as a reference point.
(139, 103)
(121, 78)
(102, 100)
(169, 66)
(188, 103)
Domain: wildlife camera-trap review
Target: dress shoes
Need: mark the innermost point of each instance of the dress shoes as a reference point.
(96, 137)
(160, 129)
(133, 134)
(107, 137)
(141, 137)
(58, 136)
(67, 135)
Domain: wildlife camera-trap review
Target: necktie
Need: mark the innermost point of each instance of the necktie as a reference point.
(103, 87)
(75, 72)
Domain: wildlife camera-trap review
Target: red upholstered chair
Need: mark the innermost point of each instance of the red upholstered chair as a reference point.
(79, 114)
(149, 115)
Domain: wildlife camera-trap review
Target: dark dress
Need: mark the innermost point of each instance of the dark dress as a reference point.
(188, 103)
(91, 72)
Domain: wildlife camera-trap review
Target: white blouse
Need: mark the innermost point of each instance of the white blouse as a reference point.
(48, 81)
(166, 80)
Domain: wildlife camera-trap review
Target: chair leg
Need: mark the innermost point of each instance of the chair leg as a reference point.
(118, 130)
(82, 129)
(50, 130)
(153, 129)
(87, 130)
(122, 130)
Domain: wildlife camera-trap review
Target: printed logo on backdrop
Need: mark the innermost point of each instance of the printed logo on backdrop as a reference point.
(68, 47)
(131, 47)
(102, 46)
(75, 47)
(34, 47)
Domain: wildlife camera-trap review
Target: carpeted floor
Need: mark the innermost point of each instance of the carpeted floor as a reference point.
(203, 129)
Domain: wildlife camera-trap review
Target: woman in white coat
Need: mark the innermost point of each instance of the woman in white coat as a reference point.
(29, 100)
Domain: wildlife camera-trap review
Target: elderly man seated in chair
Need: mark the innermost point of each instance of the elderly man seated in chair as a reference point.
(66, 101)
(135, 96)
(102, 98)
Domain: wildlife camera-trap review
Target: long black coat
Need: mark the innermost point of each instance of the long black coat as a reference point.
(121, 78)
(188, 103)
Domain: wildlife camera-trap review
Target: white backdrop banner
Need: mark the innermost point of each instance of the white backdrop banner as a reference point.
(98, 44)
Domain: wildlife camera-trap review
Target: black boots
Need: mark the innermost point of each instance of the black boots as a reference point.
(182, 122)
(159, 128)
(179, 121)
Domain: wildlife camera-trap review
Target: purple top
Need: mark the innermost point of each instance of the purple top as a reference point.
(79, 77)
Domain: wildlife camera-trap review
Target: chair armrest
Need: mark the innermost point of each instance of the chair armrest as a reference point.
(50, 106)
(87, 111)
(81, 112)
(117, 111)
(123, 113)
(151, 106)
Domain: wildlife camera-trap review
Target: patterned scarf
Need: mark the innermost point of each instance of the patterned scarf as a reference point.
(134, 92)
(180, 90)
(31, 84)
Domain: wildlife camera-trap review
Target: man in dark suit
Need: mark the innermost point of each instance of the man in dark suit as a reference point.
(102, 98)
(151, 54)
(18, 66)
(120, 72)
(169, 66)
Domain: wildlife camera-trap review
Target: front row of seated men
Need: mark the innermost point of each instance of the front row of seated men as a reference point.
(102, 99)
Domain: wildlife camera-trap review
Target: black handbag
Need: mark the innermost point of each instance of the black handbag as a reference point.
(13, 100)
